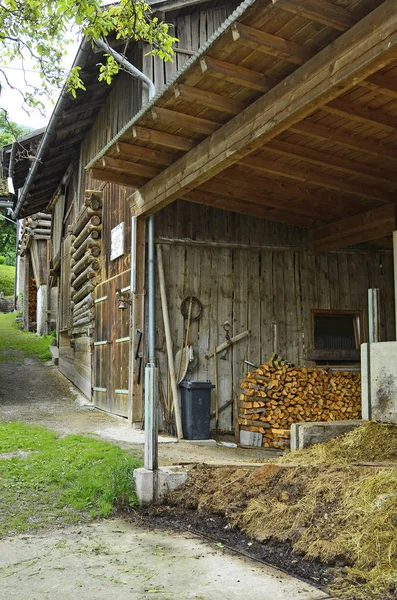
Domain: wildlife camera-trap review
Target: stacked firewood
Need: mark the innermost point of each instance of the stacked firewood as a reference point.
(32, 291)
(85, 259)
(276, 395)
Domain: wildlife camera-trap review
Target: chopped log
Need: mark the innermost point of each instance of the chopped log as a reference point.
(93, 199)
(83, 292)
(87, 260)
(89, 230)
(89, 243)
(83, 321)
(88, 216)
(89, 273)
(88, 301)
(278, 394)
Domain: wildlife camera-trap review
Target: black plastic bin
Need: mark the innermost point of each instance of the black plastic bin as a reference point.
(196, 409)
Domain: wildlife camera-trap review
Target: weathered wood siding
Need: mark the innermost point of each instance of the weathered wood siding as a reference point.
(257, 276)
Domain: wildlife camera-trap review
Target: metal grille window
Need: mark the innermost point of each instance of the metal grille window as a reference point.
(336, 337)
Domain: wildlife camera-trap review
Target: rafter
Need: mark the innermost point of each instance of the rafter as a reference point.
(119, 178)
(209, 99)
(319, 11)
(248, 208)
(124, 166)
(355, 55)
(350, 141)
(381, 83)
(365, 227)
(236, 74)
(162, 138)
(359, 113)
(323, 159)
(196, 124)
(315, 178)
(228, 190)
(143, 153)
(270, 44)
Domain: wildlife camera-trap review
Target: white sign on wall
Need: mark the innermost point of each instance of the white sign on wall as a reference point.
(117, 241)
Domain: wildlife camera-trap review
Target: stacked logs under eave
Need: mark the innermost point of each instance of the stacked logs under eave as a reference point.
(275, 396)
(35, 227)
(85, 260)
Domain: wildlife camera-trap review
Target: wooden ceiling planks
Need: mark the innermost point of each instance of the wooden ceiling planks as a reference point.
(337, 149)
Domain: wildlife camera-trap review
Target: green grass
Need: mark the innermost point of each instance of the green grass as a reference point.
(7, 278)
(15, 343)
(62, 480)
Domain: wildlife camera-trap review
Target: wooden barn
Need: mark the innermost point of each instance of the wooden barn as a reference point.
(265, 165)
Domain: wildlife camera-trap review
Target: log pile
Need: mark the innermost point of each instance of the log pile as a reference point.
(276, 395)
(32, 310)
(36, 227)
(85, 260)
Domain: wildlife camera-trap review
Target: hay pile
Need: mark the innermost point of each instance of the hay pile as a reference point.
(331, 510)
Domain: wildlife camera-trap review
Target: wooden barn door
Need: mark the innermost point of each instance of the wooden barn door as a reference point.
(111, 348)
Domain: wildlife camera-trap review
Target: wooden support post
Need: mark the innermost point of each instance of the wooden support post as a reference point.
(395, 273)
(137, 324)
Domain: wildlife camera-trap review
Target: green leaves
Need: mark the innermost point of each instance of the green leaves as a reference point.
(39, 31)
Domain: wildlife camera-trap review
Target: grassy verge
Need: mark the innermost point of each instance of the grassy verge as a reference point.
(15, 343)
(7, 278)
(46, 481)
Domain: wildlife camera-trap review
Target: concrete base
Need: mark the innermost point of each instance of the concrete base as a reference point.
(307, 434)
(379, 382)
(153, 486)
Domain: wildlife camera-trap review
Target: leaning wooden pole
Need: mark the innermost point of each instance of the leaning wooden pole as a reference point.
(170, 353)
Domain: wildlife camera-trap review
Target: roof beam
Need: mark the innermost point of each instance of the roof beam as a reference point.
(331, 161)
(209, 99)
(356, 54)
(161, 138)
(319, 11)
(355, 112)
(381, 83)
(368, 226)
(236, 74)
(248, 208)
(350, 141)
(130, 168)
(270, 44)
(143, 153)
(119, 178)
(315, 178)
(196, 124)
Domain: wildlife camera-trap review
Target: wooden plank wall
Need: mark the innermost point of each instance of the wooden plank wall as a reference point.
(258, 276)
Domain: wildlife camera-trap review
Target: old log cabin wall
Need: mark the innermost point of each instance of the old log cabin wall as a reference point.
(87, 352)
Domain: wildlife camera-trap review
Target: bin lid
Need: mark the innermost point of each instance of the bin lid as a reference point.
(197, 385)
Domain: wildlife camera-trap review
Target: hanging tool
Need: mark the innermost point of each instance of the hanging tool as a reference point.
(191, 309)
(228, 343)
(216, 391)
(227, 327)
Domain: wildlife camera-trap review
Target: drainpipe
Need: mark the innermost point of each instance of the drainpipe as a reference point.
(151, 434)
(79, 61)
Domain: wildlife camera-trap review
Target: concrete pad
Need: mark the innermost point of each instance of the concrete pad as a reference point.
(316, 432)
(113, 560)
(123, 432)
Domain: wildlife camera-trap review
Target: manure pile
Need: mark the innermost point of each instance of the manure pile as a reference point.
(322, 502)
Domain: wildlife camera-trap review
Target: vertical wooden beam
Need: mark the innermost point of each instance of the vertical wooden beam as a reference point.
(395, 273)
(137, 324)
(26, 291)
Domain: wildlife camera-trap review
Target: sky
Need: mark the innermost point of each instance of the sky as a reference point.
(11, 100)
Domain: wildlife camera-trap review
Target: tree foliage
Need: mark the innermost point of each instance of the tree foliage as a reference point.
(38, 31)
(7, 240)
(10, 131)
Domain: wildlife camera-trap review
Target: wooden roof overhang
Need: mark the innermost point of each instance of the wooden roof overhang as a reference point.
(289, 114)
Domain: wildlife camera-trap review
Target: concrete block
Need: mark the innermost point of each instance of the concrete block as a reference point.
(251, 438)
(307, 434)
(153, 486)
(379, 381)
